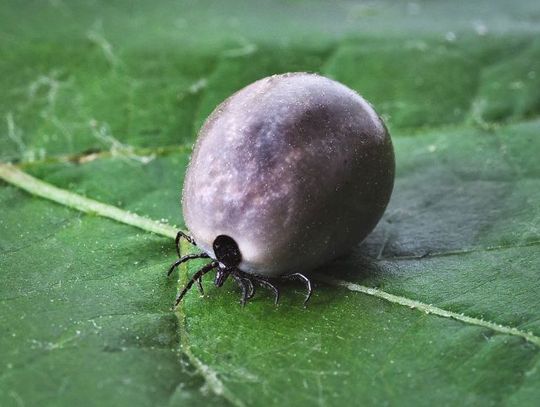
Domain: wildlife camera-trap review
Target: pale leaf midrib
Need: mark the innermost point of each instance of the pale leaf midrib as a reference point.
(37, 187)
(430, 309)
(16, 177)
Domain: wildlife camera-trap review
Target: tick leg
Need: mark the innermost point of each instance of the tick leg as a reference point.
(248, 281)
(186, 258)
(181, 235)
(301, 277)
(199, 284)
(241, 282)
(267, 284)
(205, 269)
(250, 286)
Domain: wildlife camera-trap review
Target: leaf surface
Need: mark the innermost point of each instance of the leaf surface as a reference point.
(438, 306)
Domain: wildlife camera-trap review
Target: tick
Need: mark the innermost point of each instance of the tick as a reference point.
(286, 175)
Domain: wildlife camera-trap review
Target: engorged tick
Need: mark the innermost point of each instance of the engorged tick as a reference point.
(287, 174)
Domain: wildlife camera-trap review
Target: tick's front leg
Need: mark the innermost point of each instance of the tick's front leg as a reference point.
(186, 258)
(181, 235)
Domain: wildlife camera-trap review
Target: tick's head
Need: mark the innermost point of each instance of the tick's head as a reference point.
(226, 251)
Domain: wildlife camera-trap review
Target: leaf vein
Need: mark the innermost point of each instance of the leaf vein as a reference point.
(33, 185)
(430, 309)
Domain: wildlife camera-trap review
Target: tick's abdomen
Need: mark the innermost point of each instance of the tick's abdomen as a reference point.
(296, 168)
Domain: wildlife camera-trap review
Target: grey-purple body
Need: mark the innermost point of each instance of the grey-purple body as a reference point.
(296, 168)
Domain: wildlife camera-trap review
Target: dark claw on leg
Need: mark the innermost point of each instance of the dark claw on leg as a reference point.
(199, 284)
(301, 277)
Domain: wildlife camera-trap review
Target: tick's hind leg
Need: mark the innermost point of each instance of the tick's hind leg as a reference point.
(181, 235)
(243, 286)
(264, 282)
(246, 285)
(250, 286)
(301, 277)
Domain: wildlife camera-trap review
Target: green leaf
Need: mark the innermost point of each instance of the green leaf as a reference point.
(102, 101)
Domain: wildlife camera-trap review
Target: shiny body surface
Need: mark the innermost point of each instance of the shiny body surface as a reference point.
(296, 168)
